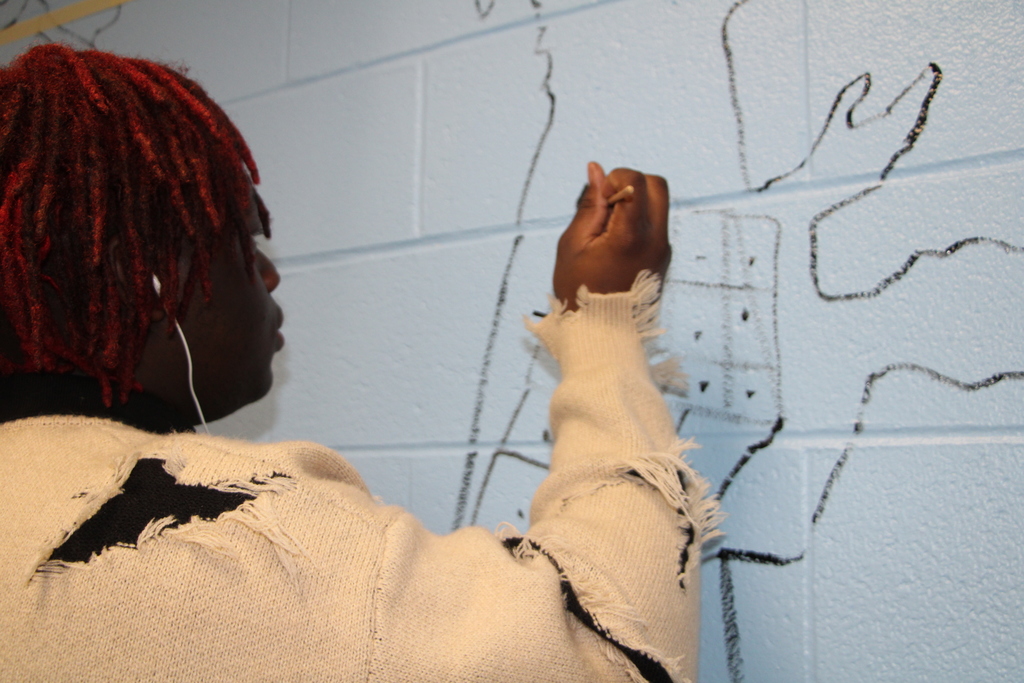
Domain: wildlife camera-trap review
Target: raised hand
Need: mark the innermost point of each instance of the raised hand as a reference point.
(606, 245)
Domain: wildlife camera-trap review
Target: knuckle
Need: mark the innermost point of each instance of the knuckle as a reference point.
(658, 183)
(626, 176)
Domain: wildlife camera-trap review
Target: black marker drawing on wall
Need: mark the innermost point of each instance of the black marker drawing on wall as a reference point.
(730, 612)
(909, 141)
(734, 98)
(546, 87)
(733, 306)
(898, 274)
(933, 74)
(13, 11)
(748, 307)
(462, 500)
(484, 10)
(869, 386)
(481, 388)
(12, 16)
(730, 617)
(913, 134)
(865, 80)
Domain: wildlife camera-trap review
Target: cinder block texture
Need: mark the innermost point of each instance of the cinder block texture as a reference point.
(78, 32)
(337, 158)
(233, 47)
(904, 585)
(846, 300)
(976, 45)
(329, 35)
(388, 349)
(623, 94)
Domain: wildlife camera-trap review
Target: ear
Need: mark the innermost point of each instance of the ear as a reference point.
(115, 260)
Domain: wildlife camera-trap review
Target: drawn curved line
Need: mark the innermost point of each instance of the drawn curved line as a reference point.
(908, 143)
(858, 426)
(727, 593)
(770, 346)
(17, 16)
(734, 98)
(501, 452)
(89, 42)
(898, 274)
(71, 13)
(505, 437)
(745, 458)
(474, 432)
(546, 87)
(865, 78)
(481, 11)
(756, 557)
(734, 658)
(730, 623)
(481, 387)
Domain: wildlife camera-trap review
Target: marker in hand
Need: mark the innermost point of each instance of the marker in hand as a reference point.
(627, 191)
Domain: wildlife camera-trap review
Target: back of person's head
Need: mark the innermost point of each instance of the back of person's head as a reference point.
(112, 170)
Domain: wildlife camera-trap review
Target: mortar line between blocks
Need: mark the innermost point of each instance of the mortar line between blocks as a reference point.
(419, 148)
(418, 51)
(288, 44)
(807, 86)
(735, 199)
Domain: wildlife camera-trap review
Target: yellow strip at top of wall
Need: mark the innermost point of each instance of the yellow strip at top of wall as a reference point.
(56, 18)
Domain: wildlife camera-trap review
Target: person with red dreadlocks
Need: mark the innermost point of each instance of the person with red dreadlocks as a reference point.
(134, 302)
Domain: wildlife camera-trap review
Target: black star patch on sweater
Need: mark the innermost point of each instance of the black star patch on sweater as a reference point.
(149, 493)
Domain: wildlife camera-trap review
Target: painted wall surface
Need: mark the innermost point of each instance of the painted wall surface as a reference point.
(847, 289)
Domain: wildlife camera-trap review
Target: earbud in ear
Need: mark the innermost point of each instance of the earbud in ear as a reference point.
(156, 284)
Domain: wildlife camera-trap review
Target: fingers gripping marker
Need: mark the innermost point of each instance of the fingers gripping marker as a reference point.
(625, 192)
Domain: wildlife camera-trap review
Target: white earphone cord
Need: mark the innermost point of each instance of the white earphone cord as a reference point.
(188, 361)
(191, 386)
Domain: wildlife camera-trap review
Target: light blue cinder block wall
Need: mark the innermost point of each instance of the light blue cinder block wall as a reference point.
(847, 289)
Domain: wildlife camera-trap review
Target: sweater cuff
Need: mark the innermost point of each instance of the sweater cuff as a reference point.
(605, 330)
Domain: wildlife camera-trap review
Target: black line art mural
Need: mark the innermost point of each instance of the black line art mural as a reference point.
(865, 80)
(898, 274)
(462, 500)
(13, 13)
(869, 385)
(734, 99)
(734, 658)
(932, 74)
(733, 349)
(481, 389)
(745, 284)
(483, 11)
(546, 87)
(12, 18)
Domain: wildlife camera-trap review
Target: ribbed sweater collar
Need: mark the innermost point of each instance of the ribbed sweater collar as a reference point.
(34, 395)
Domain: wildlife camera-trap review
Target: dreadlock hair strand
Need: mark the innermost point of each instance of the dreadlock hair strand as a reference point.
(112, 170)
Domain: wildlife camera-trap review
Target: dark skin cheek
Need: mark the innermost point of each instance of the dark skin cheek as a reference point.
(238, 331)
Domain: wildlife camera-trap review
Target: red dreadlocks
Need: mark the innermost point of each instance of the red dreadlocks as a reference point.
(111, 170)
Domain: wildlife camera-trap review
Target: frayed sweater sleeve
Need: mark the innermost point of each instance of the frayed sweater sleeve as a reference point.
(622, 515)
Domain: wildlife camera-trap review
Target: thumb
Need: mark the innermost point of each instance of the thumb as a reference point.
(596, 178)
(592, 209)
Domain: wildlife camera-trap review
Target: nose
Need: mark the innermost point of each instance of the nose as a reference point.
(265, 267)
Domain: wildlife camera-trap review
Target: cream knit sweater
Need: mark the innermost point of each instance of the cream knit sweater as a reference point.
(280, 566)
